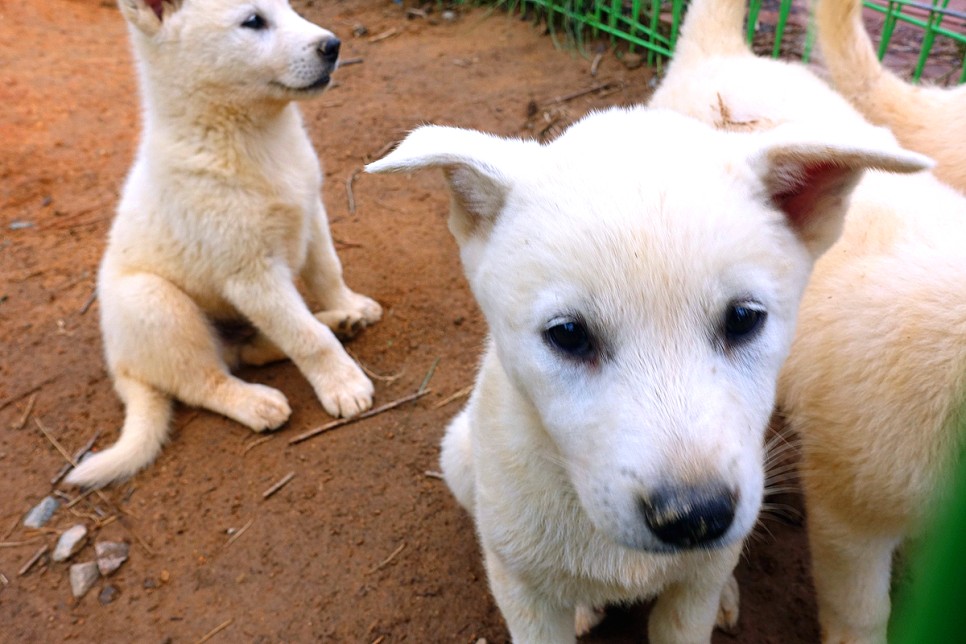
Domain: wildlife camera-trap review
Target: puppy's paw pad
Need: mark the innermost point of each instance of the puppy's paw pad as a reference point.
(264, 409)
(727, 619)
(586, 618)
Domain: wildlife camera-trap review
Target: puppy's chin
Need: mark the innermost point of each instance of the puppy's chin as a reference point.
(304, 91)
(647, 542)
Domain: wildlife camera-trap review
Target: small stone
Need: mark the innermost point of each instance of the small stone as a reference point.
(70, 542)
(165, 576)
(110, 555)
(359, 30)
(150, 584)
(632, 60)
(82, 577)
(41, 513)
(448, 16)
(108, 594)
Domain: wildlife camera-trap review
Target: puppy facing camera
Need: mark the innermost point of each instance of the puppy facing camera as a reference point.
(641, 300)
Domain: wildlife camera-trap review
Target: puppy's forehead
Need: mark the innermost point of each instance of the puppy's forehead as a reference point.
(609, 220)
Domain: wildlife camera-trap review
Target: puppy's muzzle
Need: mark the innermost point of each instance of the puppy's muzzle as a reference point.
(328, 49)
(687, 517)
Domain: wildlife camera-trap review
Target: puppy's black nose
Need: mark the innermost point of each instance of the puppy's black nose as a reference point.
(329, 49)
(690, 516)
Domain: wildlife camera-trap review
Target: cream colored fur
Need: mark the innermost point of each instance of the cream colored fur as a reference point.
(620, 235)
(876, 379)
(219, 216)
(931, 120)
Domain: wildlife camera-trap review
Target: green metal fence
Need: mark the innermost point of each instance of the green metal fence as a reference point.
(653, 25)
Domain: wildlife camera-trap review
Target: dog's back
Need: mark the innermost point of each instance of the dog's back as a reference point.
(927, 119)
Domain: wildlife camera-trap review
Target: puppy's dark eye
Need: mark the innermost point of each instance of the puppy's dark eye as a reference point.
(255, 22)
(570, 337)
(742, 322)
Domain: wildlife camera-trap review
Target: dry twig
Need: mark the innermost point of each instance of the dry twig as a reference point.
(384, 35)
(89, 302)
(78, 455)
(385, 562)
(335, 424)
(255, 443)
(566, 98)
(26, 413)
(348, 191)
(13, 526)
(594, 66)
(429, 375)
(217, 629)
(23, 394)
(278, 486)
(240, 532)
(462, 393)
(17, 544)
(30, 563)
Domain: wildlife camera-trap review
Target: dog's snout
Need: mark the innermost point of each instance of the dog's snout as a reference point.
(329, 49)
(688, 517)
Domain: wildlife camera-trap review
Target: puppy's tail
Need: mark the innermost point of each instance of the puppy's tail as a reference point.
(147, 415)
(712, 28)
(848, 52)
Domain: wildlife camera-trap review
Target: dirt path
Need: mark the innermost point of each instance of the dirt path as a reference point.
(362, 545)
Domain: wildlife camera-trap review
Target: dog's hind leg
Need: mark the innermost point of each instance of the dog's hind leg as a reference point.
(343, 310)
(852, 573)
(156, 334)
(147, 414)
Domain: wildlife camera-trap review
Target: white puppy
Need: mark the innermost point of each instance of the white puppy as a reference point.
(926, 119)
(875, 379)
(640, 277)
(220, 214)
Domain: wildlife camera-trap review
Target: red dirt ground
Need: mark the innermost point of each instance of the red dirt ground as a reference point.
(362, 545)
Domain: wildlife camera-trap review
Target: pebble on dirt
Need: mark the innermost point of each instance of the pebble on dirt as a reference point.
(110, 555)
(82, 577)
(108, 594)
(70, 542)
(41, 513)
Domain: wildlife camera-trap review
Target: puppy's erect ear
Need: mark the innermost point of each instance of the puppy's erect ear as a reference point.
(810, 179)
(479, 168)
(147, 15)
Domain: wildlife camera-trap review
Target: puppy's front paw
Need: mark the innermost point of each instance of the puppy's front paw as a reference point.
(366, 307)
(727, 619)
(262, 408)
(587, 618)
(343, 389)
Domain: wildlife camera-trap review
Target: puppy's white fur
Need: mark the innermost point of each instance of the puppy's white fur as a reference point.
(926, 119)
(876, 379)
(621, 227)
(219, 215)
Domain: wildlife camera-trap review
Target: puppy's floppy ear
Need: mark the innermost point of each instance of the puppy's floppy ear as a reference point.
(810, 179)
(147, 15)
(478, 167)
